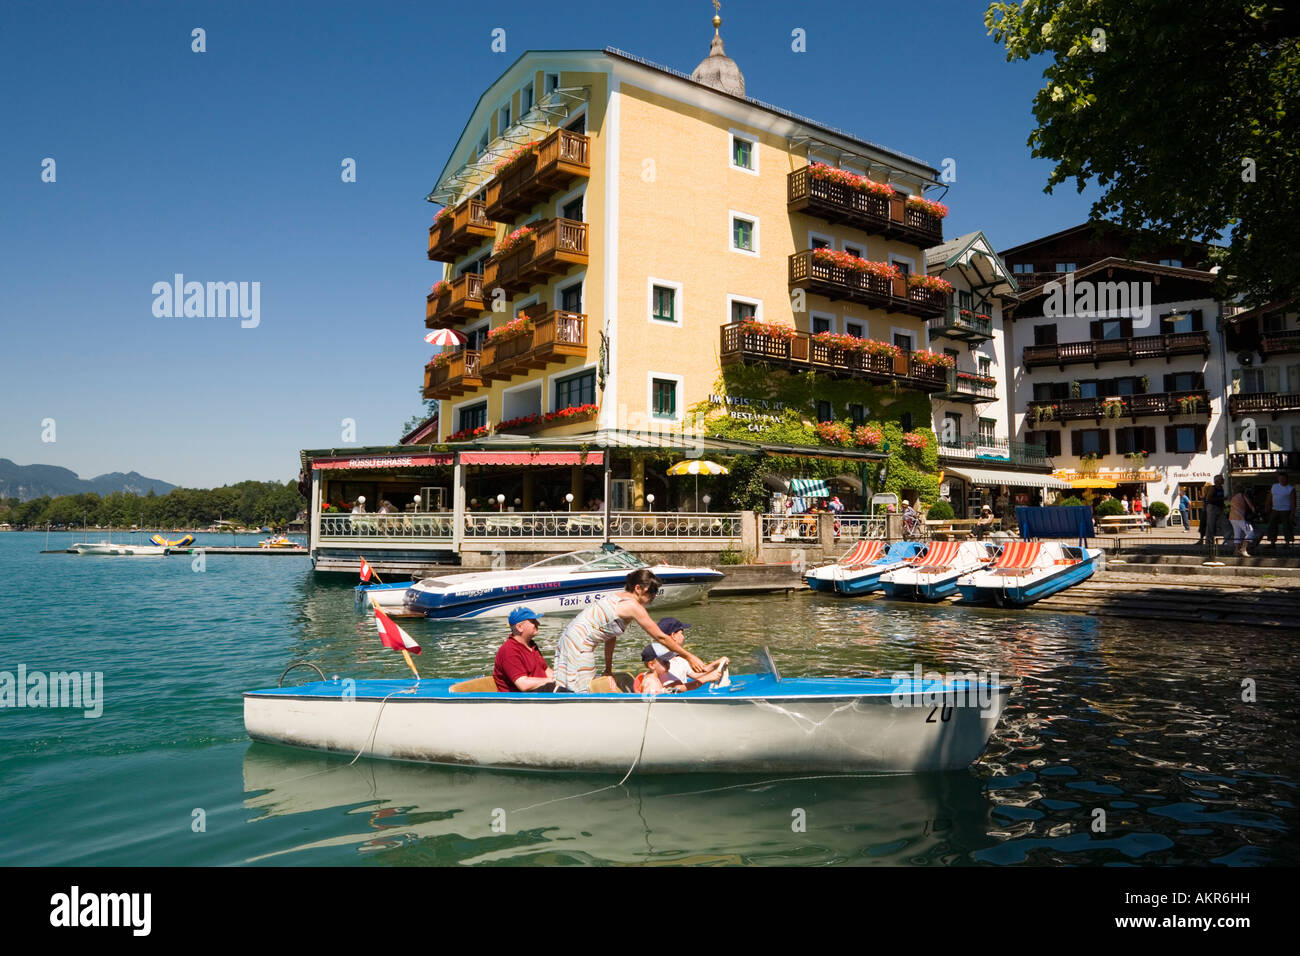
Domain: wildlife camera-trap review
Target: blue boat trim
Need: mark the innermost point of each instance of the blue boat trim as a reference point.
(495, 596)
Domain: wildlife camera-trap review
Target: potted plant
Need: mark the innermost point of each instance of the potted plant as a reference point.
(1159, 512)
(1189, 404)
(1076, 389)
(1145, 382)
(1113, 407)
(1088, 461)
(928, 206)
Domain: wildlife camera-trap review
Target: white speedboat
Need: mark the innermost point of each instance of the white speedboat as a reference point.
(760, 723)
(1027, 571)
(108, 547)
(560, 585)
(934, 575)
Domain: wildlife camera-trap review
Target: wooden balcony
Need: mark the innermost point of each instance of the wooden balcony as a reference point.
(1263, 403)
(459, 375)
(463, 301)
(1245, 462)
(837, 203)
(555, 247)
(556, 336)
(967, 325)
(1278, 343)
(803, 354)
(1096, 351)
(985, 448)
(556, 162)
(835, 282)
(968, 390)
(464, 228)
(1136, 406)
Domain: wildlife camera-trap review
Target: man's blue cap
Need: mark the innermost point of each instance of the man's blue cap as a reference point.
(523, 614)
(670, 625)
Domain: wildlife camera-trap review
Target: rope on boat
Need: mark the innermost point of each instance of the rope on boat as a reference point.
(374, 728)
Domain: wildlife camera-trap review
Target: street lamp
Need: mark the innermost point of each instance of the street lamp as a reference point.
(569, 500)
(417, 503)
(501, 503)
(650, 500)
(706, 500)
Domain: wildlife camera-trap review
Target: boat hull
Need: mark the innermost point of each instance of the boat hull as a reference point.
(866, 580)
(756, 725)
(907, 585)
(984, 587)
(387, 596)
(121, 550)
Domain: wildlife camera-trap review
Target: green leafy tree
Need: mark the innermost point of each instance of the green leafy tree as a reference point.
(1187, 114)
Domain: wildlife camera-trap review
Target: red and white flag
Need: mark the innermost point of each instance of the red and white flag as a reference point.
(365, 570)
(392, 634)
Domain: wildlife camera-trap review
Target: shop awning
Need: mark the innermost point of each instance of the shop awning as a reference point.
(809, 488)
(532, 458)
(384, 461)
(1013, 479)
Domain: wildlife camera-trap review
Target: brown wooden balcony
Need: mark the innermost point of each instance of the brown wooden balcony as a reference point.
(1244, 462)
(969, 387)
(556, 336)
(968, 325)
(460, 231)
(556, 162)
(803, 354)
(555, 247)
(460, 374)
(1032, 280)
(463, 301)
(1133, 407)
(1279, 343)
(837, 203)
(1263, 403)
(836, 282)
(1096, 351)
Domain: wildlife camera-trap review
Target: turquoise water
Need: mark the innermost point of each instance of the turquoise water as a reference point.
(1142, 721)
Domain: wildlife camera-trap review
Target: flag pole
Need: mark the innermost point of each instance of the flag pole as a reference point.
(411, 664)
(373, 573)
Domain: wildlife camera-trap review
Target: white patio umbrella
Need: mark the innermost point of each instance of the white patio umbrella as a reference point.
(697, 467)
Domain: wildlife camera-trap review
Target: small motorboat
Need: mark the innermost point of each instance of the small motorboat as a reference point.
(279, 541)
(1027, 571)
(865, 579)
(388, 596)
(860, 555)
(108, 547)
(560, 585)
(760, 723)
(934, 576)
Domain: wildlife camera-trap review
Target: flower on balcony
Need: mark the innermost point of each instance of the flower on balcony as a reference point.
(512, 241)
(771, 330)
(852, 180)
(1088, 461)
(506, 162)
(573, 411)
(833, 433)
(933, 283)
(874, 347)
(981, 315)
(442, 359)
(915, 440)
(467, 433)
(1113, 407)
(1044, 413)
(977, 379)
(519, 422)
(847, 343)
(967, 314)
(440, 288)
(868, 436)
(845, 260)
(926, 357)
(443, 214)
(1137, 457)
(928, 206)
(512, 329)
(1189, 404)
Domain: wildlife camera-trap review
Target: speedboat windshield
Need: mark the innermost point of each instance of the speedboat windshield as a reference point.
(592, 560)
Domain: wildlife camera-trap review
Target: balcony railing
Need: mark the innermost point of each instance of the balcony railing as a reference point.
(440, 526)
(973, 391)
(464, 300)
(984, 448)
(1263, 461)
(464, 228)
(555, 247)
(803, 353)
(1279, 343)
(1263, 402)
(838, 203)
(458, 375)
(1193, 402)
(965, 324)
(377, 528)
(837, 282)
(1130, 349)
(555, 337)
(557, 160)
(1032, 280)
(803, 528)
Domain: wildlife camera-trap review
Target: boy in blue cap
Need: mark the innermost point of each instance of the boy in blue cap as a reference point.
(671, 672)
(519, 665)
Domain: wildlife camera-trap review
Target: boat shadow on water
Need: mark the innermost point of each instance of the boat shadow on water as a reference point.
(397, 814)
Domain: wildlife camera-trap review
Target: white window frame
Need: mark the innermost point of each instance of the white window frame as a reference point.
(861, 246)
(580, 111)
(732, 216)
(525, 302)
(485, 141)
(731, 150)
(911, 263)
(651, 282)
(532, 96)
(866, 326)
(483, 325)
(569, 197)
(454, 421)
(546, 83)
(678, 380)
(548, 400)
(566, 282)
(745, 300)
(505, 115)
(813, 234)
(899, 330)
(829, 316)
(531, 383)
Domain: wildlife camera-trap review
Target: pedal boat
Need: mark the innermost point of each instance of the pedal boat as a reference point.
(934, 576)
(1027, 571)
(859, 556)
(560, 585)
(760, 723)
(865, 579)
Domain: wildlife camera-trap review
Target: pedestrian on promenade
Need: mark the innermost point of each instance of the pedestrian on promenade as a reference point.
(1215, 502)
(1124, 502)
(1184, 508)
(1239, 511)
(1281, 510)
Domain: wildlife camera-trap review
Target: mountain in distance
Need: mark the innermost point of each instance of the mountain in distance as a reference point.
(26, 482)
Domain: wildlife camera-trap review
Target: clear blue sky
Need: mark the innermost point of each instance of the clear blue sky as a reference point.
(224, 166)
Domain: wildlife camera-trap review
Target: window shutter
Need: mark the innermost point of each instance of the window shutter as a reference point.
(1171, 382)
(1076, 442)
(1126, 328)
(1200, 439)
(1103, 442)
(1149, 440)
(1054, 443)
(1271, 378)
(1095, 329)
(1293, 381)
(1171, 438)
(1198, 321)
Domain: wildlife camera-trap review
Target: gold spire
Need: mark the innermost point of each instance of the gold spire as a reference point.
(717, 69)
(717, 20)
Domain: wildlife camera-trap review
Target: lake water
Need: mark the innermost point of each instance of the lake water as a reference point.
(1143, 722)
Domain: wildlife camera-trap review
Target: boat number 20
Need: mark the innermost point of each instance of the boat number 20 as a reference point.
(944, 712)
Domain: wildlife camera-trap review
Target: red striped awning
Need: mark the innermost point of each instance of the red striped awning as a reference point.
(532, 458)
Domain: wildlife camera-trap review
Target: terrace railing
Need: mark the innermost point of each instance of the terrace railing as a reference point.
(377, 528)
(623, 525)
(803, 528)
(1108, 350)
(984, 448)
(1267, 402)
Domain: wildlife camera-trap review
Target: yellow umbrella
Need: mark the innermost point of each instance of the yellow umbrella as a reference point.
(697, 467)
(1092, 483)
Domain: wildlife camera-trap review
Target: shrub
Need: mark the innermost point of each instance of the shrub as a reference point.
(1071, 502)
(941, 511)
(1109, 508)
(1158, 509)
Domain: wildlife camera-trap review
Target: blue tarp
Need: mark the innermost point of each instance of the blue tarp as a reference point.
(1074, 521)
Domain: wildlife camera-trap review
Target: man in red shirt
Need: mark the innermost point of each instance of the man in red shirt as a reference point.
(519, 664)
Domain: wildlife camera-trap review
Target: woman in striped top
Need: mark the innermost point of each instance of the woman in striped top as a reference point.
(603, 623)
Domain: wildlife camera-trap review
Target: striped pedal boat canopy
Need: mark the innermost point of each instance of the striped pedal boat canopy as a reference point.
(1017, 556)
(939, 557)
(864, 552)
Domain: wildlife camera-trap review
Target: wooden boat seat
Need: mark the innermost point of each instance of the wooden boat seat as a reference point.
(476, 685)
(620, 683)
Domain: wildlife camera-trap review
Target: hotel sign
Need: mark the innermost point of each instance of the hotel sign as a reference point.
(754, 412)
(395, 461)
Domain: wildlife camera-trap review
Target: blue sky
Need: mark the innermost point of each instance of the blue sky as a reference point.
(225, 166)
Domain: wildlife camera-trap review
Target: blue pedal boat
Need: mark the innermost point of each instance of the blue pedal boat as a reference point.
(866, 579)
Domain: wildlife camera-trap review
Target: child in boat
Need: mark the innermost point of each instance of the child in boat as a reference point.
(668, 673)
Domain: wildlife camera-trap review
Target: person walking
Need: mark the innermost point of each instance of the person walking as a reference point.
(1239, 511)
(1281, 510)
(1184, 505)
(1215, 501)
(1124, 501)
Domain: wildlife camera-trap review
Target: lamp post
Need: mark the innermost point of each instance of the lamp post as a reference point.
(650, 500)
(501, 503)
(568, 499)
(417, 504)
(706, 500)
